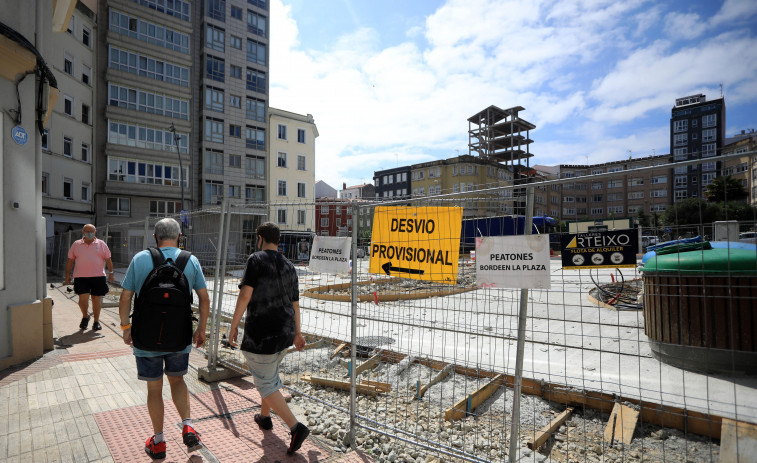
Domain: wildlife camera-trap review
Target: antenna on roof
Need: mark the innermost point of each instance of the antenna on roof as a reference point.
(721, 90)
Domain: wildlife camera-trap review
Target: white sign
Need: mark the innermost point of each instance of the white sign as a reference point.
(330, 254)
(513, 262)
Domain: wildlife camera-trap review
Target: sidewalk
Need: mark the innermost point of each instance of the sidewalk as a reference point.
(82, 402)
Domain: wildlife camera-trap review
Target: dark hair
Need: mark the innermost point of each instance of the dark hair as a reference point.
(270, 232)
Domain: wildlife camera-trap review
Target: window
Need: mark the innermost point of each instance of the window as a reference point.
(255, 109)
(658, 193)
(235, 131)
(68, 188)
(86, 73)
(254, 194)
(281, 216)
(709, 166)
(568, 199)
(85, 191)
(235, 101)
(255, 52)
(217, 9)
(213, 192)
(256, 81)
(597, 171)
(215, 38)
(614, 183)
(236, 12)
(710, 120)
(658, 179)
(68, 64)
(85, 114)
(281, 160)
(68, 105)
(147, 66)
(85, 36)
(658, 208)
(235, 42)
(159, 208)
(301, 217)
(596, 185)
(235, 191)
(255, 138)
(85, 152)
(213, 130)
(324, 222)
(235, 72)
(597, 211)
(45, 137)
(708, 178)
(614, 197)
(324, 210)
(569, 211)
(149, 102)
(255, 23)
(635, 181)
(214, 99)
(235, 160)
(282, 132)
(117, 206)
(615, 169)
(708, 150)
(45, 183)
(68, 144)
(680, 170)
(597, 198)
(214, 162)
(300, 190)
(680, 139)
(282, 188)
(300, 162)
(149, 32)
(708, 135)
(254, 167)
(680, 126)
(614, 209)
(680, 195)
(71, 26)
(300, 135)
(214, 68)
(636, 195)
(680, 180)
(259, 3)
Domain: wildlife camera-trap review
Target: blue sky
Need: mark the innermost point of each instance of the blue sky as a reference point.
(393, 82)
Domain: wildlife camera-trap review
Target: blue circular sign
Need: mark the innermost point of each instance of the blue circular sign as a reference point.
(19, 135)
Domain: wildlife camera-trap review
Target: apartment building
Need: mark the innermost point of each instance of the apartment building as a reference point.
(362, 191)
(466, 174)
(292, 170)
(67, 142)
(547, 197)
(393, 183)
(230, 66)
(741, 168)
(143, 161)
(697, 131)
(621, 195)
(333, 217)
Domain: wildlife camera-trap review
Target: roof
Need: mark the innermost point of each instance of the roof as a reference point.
(493, 114)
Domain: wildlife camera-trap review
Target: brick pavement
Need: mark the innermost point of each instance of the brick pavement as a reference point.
(82, 402)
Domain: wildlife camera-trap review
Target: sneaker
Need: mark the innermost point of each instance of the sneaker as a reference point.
(96, 326)
(264, 422)
(156, 451)
(84, 323)
(191, 439)
(299, 435)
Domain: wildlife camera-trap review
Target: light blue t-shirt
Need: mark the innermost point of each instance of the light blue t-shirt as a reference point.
(141, 266)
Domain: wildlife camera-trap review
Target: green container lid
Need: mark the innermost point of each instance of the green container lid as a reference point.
(714, 261)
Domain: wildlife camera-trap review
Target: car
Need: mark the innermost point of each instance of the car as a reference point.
(647, 241)
(748, 237)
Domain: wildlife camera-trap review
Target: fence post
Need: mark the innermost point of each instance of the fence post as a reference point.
(515, 426)
(146, 235)
(215, 313)
(349, 438)
(224, 260)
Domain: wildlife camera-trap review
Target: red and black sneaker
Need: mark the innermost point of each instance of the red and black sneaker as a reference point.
(191, 438)
(156, 451)
(264, 422)
(299, 434)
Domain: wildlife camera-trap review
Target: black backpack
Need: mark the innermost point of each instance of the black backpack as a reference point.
(162, 317)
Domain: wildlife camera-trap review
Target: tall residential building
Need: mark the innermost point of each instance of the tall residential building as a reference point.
(697, 131)
(67, 143)
(291, 168)
(393, 183)
(739, 168)
(230, 68)
(143, 63)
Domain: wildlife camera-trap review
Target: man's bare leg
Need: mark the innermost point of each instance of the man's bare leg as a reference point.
(155, 404)
(97, 303)
(84, 304)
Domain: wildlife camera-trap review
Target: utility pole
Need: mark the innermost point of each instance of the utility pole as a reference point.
(181, 183)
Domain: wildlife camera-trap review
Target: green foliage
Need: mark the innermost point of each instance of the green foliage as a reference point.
(643, 218)
(693, 211)
(722, 188)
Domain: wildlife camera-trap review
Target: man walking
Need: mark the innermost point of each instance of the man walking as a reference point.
(151, 364)
(89, 254)
(269, 295)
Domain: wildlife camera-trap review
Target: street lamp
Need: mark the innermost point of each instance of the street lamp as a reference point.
(181, 169)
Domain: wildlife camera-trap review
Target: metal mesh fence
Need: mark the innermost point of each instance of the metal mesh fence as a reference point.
(617, 365)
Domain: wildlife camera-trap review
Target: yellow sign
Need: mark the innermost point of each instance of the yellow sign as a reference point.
(420, 243)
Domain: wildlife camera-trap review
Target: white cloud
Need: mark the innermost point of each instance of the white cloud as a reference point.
(686, 25)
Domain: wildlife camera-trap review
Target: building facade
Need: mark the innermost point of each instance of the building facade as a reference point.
(393, 183)
(743, 169)
(292, 170)
(333, 217)
(324, 190)
(362, 191)
(67, 144)
(697, 131)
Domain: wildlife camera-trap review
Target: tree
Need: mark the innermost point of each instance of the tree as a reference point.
(643, 218)
(728, 188)
(694, 211)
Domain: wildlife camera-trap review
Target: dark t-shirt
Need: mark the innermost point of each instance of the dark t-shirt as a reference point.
(269, 326)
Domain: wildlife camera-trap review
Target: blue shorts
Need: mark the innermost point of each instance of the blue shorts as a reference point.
(265, 371)
(152, 368)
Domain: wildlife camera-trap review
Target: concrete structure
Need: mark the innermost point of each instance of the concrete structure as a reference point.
(363, 191)
(26, 46)
(144, 62)
(393, 183)
(292, 169)
(67, 144)
(324, 190)
(466, 174)
(697, 130)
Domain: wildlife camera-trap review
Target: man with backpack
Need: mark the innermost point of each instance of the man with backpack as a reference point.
(160, 329)
(269, 295)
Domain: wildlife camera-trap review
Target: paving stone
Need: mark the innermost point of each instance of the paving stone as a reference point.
(38, 438)
(52, 454)
(13, 444)
(51, 438)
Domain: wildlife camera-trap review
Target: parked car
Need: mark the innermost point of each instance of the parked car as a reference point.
(748, 237)
(647, 241)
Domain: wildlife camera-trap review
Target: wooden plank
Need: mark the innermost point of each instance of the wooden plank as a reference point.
(621, 424)
(738, 443)
(439, 376)
(541, 437)
(380, 387)
(369, 364)
(472, 401)
(344, 385)
(339, 348)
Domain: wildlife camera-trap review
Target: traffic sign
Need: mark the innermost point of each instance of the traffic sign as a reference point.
(605, 249)
(420, 243)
